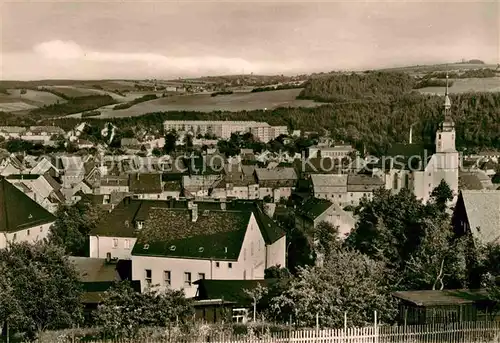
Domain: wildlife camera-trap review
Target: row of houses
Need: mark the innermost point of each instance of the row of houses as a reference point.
(40, 134)
(213, 250)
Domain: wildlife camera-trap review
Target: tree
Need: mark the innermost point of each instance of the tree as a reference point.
(170, 142)
(256, 295)
(73, 225)
(440, 261)
(276, 272)
(172, 305)
(390, 227)
(124, 311)
(441, 195)
(188, 142)
(45, 286)
(11, 311)
(156, 152)
(326, 239)
(347, 282)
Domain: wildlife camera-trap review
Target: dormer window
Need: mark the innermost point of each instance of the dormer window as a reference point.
(139, 224)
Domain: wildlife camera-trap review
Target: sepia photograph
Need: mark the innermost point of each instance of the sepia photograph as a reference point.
(251, 171)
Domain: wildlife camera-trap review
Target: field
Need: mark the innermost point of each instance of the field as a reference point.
(239, 101)
(491, 84)
(72, 91)
(15, 101)
(440, 67)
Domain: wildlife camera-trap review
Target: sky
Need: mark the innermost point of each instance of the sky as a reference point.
(146, 39)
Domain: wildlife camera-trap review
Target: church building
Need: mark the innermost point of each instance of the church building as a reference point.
(422, 168)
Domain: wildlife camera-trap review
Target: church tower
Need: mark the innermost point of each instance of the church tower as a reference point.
(445, 162)
(445, 135)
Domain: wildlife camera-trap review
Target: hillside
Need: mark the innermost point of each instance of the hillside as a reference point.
(375, 124)
(351, 87)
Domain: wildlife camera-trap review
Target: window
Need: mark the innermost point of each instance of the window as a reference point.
(127, 244)
(201, 276)
(230, 265)
(244, 254)
(14, 237)
(115, 243)
(167, 278)
(28, 232)
(240, 315)
(439, 136)
(251, 249)
(244, 275)
(148, 276)
(41, 228)
(217, 264)
(187, 279)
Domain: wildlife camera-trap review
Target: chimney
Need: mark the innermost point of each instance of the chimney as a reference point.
(411, 134)
(194, 210)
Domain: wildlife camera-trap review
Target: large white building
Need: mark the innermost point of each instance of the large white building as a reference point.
(174, 243)
(223, 129)
(412, 166)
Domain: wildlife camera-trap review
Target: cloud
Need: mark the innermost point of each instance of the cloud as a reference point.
(60, 50)
(71, 51)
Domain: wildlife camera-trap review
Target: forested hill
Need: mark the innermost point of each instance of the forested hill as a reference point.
(373, 124)
(351, 87)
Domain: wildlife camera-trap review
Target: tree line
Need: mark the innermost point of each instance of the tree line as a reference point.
(374, 124)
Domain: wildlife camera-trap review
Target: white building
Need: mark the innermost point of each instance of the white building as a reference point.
(276, 183)
(410, 166)
(42, 133)
(332, 187)
(314, 211)
(174, 243)
(180, 246)
(335, 152)
(12, 132)
(21, 218)
(224, 129)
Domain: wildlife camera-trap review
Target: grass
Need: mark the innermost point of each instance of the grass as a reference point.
(238, 101)
(491, 84)
(15, 101)
(15, 106)
(72, 91)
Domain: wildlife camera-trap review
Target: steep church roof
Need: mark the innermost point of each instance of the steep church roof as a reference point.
(18, 211)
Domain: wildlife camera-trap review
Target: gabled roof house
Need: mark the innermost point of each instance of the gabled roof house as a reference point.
(21, 218)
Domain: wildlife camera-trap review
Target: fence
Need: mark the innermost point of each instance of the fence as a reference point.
(464, 332)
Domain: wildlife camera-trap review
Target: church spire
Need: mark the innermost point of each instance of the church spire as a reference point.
(447, 124)
(447, 102)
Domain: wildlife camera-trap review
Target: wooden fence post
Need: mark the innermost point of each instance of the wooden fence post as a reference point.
(375, 326)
